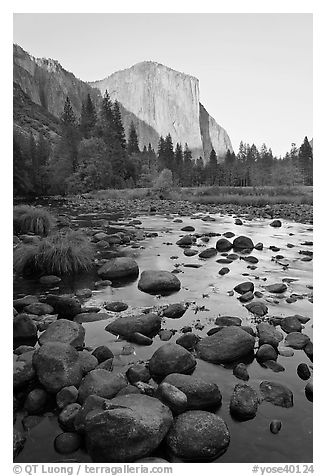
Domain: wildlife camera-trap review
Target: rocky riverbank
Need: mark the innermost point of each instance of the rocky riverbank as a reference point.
(163, 357)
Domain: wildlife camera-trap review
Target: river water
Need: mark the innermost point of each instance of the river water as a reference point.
(251, 441)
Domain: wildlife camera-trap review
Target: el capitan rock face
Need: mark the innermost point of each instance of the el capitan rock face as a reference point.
(168, 101)
(157, 99)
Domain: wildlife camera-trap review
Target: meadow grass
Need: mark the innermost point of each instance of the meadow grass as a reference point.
(59, 254)
(28, 219)
(250, 196)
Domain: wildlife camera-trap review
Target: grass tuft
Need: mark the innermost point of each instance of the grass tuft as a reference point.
(59, 254)
(28, 219)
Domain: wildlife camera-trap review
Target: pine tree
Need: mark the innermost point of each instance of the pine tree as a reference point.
(305, 161)
(106, 123)
(212, 168)
(133, 146)
(187, 166)
(169, 153)
(118, 126)
(161, 154)
(88, 118)
(178, 154)
(70, 133)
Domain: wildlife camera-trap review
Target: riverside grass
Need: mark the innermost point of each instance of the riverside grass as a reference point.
(60, 254)
(29, 219)
(246, 196)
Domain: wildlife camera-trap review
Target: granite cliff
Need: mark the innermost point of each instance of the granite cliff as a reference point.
(168, 101)
(156, 98)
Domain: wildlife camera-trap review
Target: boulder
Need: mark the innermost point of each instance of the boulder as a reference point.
(132, 427)
(244, 288)
(102, 383)
(21, 303)
(246, 297)
(93, 404)
(39, 308)
(291, 324)
(224, 271)
(67, 442)
(257, 308)
(35, 401)
(198, 435)
(65, 306)
(68, 415)
(87, 361)
(277, 394)
(228, 345)
(277, 288)
(188, 228)
(64, 331)
(57, 365)
(223, 245)
(303, 371)
(121, 267)
(268, 334)
(23, 370)
(188, 340)
(175, 311)
(186, 241)
(153, 282)
(201, 394)
(24, 330)
(50, 279)
(146, 324)
(243, 243)
(296, 340)
(266, 352)
(240, 371)
(228, 321)
(172, 397)
(208, 253)
(102, 353)
(244, 402)
(171, 358)
(116, 306)
(66, 396)
(276, 223)
(138, 373)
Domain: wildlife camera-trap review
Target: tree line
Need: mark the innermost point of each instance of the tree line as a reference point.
(93, 153)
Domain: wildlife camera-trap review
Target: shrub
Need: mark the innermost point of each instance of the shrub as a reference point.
(59, 254)
(163, 184)
(28, 219)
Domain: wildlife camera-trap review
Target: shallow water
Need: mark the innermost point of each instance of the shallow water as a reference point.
(251, 441)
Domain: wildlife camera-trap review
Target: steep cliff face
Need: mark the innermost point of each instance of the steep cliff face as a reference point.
(48, 84)
(156, 98)
(168, 101)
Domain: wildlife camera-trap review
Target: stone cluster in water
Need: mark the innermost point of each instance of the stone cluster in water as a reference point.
(130, 416)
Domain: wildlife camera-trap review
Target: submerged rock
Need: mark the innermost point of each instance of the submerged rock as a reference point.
(64, 331)
(67, 442)
(291, 324)
(145, 324)
(303, 371)
(175, 311)
(201, 394)
(65, 306)
(153, 282)
(277, 394)
(121, 267)
(198, 435)
(244, 402)
(102, 383)
(171, 358)
(243, 243)
(257, 308)
(172, 397)
(296, 340)
(223, 245)
(275, 426)
(208, 253)
(268, 334)
(266, 352)
(244, 288)
(228, 321)
(277, 288)
(116, 306)
(188, 340)
(240, 371)
(57, 365)
(228, 345)
(276, 223)
(132, 427)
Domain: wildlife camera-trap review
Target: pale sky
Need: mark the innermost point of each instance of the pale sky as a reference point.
(254, 70)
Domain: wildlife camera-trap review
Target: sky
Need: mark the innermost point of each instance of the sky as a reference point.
(254, 70)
